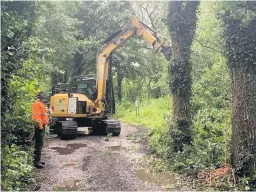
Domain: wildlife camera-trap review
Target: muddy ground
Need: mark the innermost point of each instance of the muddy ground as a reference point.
(90, 163)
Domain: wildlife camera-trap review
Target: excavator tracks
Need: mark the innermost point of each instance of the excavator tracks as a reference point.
(69, 129)
(107, 126)
(66, 129)
(113, 126)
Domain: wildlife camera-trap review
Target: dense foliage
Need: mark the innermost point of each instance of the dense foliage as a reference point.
(211, 98)
(18, 20)
(210, 103)
(50, 42)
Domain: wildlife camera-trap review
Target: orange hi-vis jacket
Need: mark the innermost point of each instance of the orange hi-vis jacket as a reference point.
(39, 113)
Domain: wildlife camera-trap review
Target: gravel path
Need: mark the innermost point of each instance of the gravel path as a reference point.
(90, 163)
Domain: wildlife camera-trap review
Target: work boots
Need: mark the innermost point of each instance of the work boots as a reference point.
(39, 165)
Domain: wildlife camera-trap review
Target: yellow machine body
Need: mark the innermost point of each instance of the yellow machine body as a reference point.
(61, 105)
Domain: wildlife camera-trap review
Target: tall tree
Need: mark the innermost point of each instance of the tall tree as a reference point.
(239, 34)
(18, 20)
(99, 20)
(182, 25)
(56, 37)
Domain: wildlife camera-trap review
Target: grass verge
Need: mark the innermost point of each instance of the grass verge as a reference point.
(152, 112)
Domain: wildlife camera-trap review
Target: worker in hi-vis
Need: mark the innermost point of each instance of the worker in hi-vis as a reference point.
(40, 120)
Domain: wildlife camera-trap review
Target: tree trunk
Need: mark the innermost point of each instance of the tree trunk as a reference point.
(78, 65)
(243, 143)
(149, 88)
(120, 77)
(182, 25)
(240, 48)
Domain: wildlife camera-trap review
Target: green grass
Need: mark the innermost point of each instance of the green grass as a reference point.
(151, 112)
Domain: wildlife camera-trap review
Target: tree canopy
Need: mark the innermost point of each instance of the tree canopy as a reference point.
(200, 107)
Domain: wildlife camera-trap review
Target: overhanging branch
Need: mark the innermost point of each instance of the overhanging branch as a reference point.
(208, 47)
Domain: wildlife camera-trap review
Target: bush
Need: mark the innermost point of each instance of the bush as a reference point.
(16, 153)
(17, 169)
(16, 130)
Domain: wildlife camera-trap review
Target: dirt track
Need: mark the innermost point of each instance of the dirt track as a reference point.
(91, 163)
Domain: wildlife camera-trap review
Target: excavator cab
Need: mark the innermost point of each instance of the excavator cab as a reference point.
(86, 85)
(60, 88)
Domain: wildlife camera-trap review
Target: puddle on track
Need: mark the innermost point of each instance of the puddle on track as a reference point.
(165, 180)
(69, 185)
(70, 148)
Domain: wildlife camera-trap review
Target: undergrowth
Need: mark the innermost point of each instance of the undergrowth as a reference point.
(211, 138)
(210, 133)
(18, 169)
(210, 148)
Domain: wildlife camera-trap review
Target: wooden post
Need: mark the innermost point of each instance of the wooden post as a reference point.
(137, 107)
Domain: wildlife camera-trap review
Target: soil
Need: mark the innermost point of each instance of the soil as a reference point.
(91, 163)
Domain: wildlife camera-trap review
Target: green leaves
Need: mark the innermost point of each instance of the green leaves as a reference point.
(17, 168)
(21, 73)
(239, 30)
(17, 22)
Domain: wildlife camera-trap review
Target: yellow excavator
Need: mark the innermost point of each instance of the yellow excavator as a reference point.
(85, 105)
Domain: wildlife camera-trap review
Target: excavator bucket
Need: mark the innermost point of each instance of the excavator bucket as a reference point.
(167, 51)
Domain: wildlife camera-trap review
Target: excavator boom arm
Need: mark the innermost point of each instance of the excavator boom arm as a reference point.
(134, 28)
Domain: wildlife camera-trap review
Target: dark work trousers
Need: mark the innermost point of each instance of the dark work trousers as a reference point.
(39, 142)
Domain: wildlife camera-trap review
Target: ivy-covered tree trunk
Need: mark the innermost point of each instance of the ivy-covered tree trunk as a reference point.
(240, 49)
(182, 25)
(243, 143)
